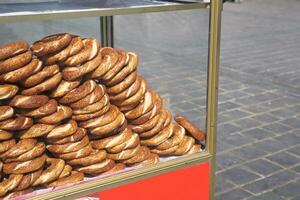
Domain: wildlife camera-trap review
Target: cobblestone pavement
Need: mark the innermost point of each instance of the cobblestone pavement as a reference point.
(259, 111)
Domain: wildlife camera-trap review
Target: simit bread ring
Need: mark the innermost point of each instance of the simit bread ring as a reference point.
(36, 130)
(4, 135)
(27, 102)
(19, 74)
(186, 144)
(64, 87)
(52, 172)
(151, 160)
(13, 48)
(10, 184)
(117, 167)
(128, 81)
(99, 105)
(83, 152)
(109, 127)
(6, 112)
(144, 106)
(122, 61)
(36, 151)
(78, 135)
(63, 112)
(95, 96)
(47, 85)
(20, 148)
(195, 149)
(141, 155)
(132, 142)
(47, 109)
(63, 130)
(5, 145)
(38, 77)
(165, 152)
(78, 93)
(28, 180)
(72, 73)
(190, 127)
(93, 158)
(7, 91)
(66, 171)
(131, 90)
(109, 59)
(160, 137)
(97, 168)
(73, 48)
(73, 178)
(104, 119)
(85, 117)
(125, 154)
(51, 44)
(150, 124)
(16, 62)
(17, 124)
(68, 147)
(89, 51)
(24, 167)
(176, 139)
(112, 141)
(121, 75)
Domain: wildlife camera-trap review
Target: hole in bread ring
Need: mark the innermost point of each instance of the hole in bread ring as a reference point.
(68, 147)
(5, 135)
(132, 142)
(38, 77)
(28, 180)
(112, 141)
(128, 81)
(50, 44)
(78, 93)
(121, 75)
(21, 147)
(95, 96)
(47, 109)
(78, 135)
(99, 105)
(7, 144)
(16, 62)
(83, 152)
(109, 59)
(6, 112)
(63, 112)
(88, 116)
(63, 130)
(125, 154)
(97, 168)
(176, 139)
(186, 144)
(36, 130)
(19, 74)
(160, 137)
(24, 167)
(122, 61)
(73, 48)
(10, 184)
(74, 72)
(93, 158)
(89, 51)
(28, 102)
(52, 172)
(64, 87)
(7, 91)
(36, 151)
(73, 178)
(13, 48)
(17, 124)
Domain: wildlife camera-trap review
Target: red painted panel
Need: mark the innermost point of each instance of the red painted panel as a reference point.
(185, 184)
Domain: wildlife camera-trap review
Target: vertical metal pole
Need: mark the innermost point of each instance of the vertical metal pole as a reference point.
(213, 82)
(107, 31)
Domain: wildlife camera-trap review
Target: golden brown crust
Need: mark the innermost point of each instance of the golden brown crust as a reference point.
(16, 62)
(195, 149)
(20, 148)
(83, 152)
(6, 112)
(62, 113)
(148, 125)
(13, 48)
(7, 144)
(97, 168)
(190, 127)
(128, 81)
(36, 130)
(73, 178)
(97, 106)
(122, 61)
(17, 193)
(50, 44)
(159, 138)
(7, 91)
(132, 142)
(64, 87)
(47, 109)
(66, 171)
(125, 154)
(68, 147)
(28, 180)
(118, 122)
(17, 124)
(85, 117)
(186, 144)
(5, 135)
(141, 155)
(62, 131)
(151, 160)
(176, 139)
(117, 167)
(78, 135)
(165, 152)
(93, 158)
(10, 184)
(28, 102)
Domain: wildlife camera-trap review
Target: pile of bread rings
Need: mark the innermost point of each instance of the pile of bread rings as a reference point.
(70, 108)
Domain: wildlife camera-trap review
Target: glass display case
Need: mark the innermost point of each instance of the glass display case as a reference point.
(177, 44)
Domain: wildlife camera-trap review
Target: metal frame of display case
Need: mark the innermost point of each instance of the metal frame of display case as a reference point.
(9, 13)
